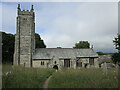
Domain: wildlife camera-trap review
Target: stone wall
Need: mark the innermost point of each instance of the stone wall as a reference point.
(60, 63)
(24, 38)
(37, 63)
(87, 61)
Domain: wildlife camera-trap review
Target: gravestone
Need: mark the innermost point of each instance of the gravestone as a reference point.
(105, 70)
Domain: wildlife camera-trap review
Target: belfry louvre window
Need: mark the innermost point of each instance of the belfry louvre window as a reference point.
(91, 61)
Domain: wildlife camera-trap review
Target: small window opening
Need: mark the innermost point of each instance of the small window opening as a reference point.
(42, 63)
(55, 62)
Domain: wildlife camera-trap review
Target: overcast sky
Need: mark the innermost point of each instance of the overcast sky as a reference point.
(62, 24)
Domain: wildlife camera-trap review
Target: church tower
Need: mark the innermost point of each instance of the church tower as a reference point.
(25, 37)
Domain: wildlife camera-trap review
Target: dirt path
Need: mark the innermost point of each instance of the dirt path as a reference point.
(45, 86)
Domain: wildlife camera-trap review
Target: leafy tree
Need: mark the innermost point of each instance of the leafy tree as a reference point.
(8, 41)
(82, 44)
(39, 42)
(116, 42)
(116, 56)
(101, 53)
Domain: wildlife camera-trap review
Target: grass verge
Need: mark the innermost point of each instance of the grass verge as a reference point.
(21, 77)
(84, 78)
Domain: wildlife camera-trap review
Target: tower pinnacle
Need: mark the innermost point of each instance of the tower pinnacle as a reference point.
(32, 7)
(18, 6)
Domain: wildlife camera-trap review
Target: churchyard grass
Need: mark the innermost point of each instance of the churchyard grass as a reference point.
(84, 78)
(21, 77)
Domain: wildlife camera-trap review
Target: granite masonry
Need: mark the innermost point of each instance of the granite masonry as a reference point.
(27, 55)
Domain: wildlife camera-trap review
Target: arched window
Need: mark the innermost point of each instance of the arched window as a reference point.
(42, 63)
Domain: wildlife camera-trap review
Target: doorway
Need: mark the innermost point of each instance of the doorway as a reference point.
(55, 67)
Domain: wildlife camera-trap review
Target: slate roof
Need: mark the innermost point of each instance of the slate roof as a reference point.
(62, 53)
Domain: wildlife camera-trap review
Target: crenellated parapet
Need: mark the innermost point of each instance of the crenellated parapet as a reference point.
(25, 12)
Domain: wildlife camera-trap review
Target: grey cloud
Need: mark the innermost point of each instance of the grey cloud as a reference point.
(95, 22)
(67, 23)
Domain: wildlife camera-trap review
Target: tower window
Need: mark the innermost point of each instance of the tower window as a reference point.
(24, 18)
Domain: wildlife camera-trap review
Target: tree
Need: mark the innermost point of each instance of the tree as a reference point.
(116, 56)
(116, 42)
(101, 53)
(82, 44)
(39, 42)
(8, 41)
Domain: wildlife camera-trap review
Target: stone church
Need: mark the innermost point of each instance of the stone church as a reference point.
(27, 55)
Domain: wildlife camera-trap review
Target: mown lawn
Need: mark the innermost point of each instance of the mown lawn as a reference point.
(84, 78)
(21, 77)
